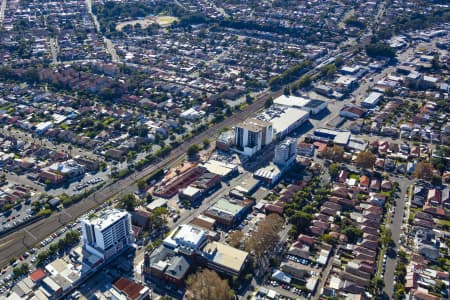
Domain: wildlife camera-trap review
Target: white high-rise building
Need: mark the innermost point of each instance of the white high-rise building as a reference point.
(107, 233)
(251, 135)
(285, 152)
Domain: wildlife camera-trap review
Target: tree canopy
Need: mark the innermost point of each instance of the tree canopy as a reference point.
(266, 235)
(207, 285)
(335, 153)
(424, 170)
(380, 49)
(365, 160)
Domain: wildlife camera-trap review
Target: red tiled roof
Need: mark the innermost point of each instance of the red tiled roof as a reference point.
(37, 275)
(128, 287)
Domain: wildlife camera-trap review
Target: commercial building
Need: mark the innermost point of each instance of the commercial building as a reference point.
(186, 237)
(225, 140)
(130, 289)
(285, 152)
(171, 188)
(229, 213)
(315, 106)
(69, 169)
(251, 135)
(305, 149)
(165, 264)
(224, 259)
(337, 136)
(352, 112)
(269, 174)
(284, 119)
(106, 234)
(247, 185)
(223, 169)
(372, 100)
(312, 106)
(291, 101)
(203, 186)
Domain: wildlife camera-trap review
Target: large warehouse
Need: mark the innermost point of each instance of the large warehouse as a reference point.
(284, 119)
(312, 106)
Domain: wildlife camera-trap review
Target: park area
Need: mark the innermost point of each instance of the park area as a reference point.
(162, 21)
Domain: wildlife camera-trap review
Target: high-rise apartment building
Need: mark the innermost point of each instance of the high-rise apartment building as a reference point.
(251, 135)
(107, 233)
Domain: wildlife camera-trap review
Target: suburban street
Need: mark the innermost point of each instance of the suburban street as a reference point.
(395, 227)
(2, 11)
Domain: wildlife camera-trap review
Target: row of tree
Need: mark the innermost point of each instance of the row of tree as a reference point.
(71, 238)
(291, 74)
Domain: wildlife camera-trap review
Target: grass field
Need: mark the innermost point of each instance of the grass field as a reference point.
(162, 21)
(165, 20)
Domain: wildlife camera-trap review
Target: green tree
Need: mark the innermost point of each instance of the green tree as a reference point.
(333, 169)
(193, 150)
(380, 49)
(335, 153)
(301, 220)
(329, 239)
(352, 233)
(206, 143)
(128, 202)
(376, 285)
(21, 270)
(141, 184)
(268, 103)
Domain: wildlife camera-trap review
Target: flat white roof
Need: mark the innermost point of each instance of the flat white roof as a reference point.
(186, 235)
(191, 191)
(219, 168)
(291, 101)
(373, 98)
(159, 202)
(105, 218)
(283, 120)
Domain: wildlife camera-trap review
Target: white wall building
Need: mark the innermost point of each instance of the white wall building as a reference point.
(186, 236)
(107, 233)
(251, 135)
(285, 152)
(284, 119)
(313, 106)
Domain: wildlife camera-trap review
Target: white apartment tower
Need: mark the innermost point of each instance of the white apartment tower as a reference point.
(251, 135)
(107, 233)
(285, 152)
